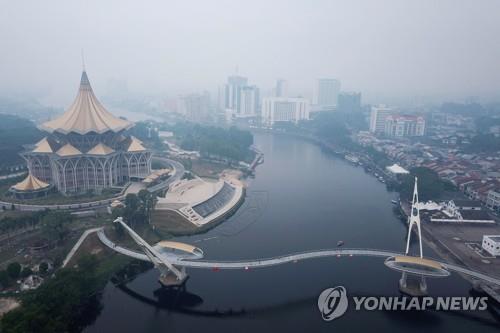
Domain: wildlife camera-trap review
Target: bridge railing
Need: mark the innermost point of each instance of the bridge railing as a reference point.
(271, 261)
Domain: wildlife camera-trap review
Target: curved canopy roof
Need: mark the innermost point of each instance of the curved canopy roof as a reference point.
(86, 115)
(30, 183)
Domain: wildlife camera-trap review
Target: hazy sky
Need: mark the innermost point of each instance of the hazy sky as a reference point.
(381, 48)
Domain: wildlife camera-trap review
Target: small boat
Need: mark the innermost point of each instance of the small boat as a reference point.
(340, 243)
(394, 202)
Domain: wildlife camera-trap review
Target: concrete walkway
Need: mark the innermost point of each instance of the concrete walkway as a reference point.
(77, 245)
(267, 262)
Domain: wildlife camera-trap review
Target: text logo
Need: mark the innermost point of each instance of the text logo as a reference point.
(332, 303)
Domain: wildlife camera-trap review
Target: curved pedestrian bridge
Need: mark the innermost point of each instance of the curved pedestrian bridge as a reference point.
(417, 265)
(267, 262)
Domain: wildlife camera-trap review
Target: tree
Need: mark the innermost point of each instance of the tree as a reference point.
(14, 269)
(430, 186)
(231, 143)
(4, 278)
(55, 225)
(484, 143)
(43, 267)
(26, 272)
(147, 203)
(65, 303)
(87, 263)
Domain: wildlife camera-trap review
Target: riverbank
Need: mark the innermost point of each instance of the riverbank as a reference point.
(177, 215)
(300, 211)
(458, 243)
(450, 242)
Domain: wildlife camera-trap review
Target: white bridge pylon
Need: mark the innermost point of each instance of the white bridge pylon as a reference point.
(414, 219)
(159, 261)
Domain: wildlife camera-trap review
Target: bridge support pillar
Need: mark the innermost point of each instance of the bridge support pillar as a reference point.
(169, 279)
(413, 285)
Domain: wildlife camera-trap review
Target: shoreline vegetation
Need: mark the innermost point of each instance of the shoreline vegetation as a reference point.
(431, 187)
(70, 300)
(220, 149)
(214, 143)
(333, 133)
(67, 302)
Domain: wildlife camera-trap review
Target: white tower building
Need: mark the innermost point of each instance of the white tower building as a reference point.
(282, 109)
(378, 117)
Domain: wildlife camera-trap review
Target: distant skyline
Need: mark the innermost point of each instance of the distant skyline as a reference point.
(388, 50)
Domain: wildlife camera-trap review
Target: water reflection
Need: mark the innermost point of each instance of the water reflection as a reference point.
(178, 300)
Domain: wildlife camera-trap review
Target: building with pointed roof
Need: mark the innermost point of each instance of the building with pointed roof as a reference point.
(30, 187)
(87, 148)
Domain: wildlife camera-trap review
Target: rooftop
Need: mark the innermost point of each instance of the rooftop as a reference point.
(43, 146)
(68, 150)
(30, 183)
(135, 145)
(192, 191)
(100, 149)
(86, 115)
(467, 203)
(495, 238)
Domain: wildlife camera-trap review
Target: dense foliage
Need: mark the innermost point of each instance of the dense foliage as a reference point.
(430, 186)
(484, 143)
(484, 123)
(65, 303)
(231, 143)
(55, 225)
(147, 132)
(137, 208)
(468, 109)
(14, 133)
(330, 127)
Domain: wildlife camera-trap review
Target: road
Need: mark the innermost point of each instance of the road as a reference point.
(178, 172)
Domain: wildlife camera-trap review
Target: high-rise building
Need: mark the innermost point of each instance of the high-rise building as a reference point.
(240, 99)
(281, 89)
(195, 107)
(403, 125)
(377, 118)
(326, 94)
(349, 102)
(284, 109)
(249, 101)
(232, 92)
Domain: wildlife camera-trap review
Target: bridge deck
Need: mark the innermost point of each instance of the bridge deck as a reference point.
(267, 262)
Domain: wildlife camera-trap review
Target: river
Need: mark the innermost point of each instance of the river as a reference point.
(301, 199)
